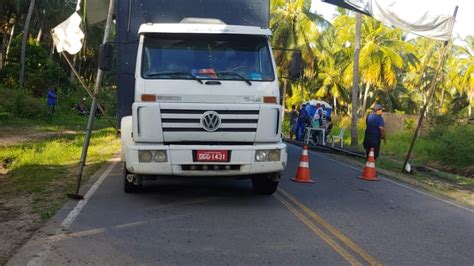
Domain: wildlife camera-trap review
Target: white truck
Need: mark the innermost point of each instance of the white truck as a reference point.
(206, 103)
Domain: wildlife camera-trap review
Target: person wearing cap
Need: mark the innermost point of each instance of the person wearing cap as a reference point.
(375, 130)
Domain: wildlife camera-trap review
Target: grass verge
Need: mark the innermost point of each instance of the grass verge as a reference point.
(45, 170)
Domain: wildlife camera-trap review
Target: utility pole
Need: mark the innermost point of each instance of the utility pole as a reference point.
(430, 94)
(355, 83)
(90, 122)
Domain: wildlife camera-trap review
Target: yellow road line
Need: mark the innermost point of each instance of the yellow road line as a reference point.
(353, 246)
(319, 232)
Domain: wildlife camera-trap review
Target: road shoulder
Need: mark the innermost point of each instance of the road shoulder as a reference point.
(427, 183)
(38, 243)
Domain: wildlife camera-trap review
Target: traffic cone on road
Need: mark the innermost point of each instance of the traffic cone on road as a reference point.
(369, 173)
(302, 175)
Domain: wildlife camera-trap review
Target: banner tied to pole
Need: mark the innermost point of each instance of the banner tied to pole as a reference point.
(68, 35)
(419, 17)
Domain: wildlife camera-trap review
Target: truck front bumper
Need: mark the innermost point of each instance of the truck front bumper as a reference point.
(180, 160)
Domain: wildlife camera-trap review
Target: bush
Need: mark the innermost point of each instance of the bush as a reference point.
(454, 145)
(16, 104)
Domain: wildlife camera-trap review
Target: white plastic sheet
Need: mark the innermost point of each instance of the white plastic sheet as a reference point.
(418, 17)
(421, 17)
(68, 36)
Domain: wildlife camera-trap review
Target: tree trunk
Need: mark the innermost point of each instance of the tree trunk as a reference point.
(335, 105)
(24, 42)
(364, 103)
(9, 44)
(469, 108)
(441, 101)
(40, 33)
(71, 75)
(2, 51)
(355, 84)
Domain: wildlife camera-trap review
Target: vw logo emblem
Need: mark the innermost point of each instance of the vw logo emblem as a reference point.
(210, 121)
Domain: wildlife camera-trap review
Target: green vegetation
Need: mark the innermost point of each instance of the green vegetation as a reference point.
(45, 170)
(446, 146)
(393, 71)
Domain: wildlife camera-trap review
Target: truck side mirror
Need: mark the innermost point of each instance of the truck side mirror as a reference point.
(295, 66)
(105, 56)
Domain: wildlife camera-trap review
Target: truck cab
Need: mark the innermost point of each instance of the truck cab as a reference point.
(206, 103)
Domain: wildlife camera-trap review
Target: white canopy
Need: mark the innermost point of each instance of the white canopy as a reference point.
(314, 102)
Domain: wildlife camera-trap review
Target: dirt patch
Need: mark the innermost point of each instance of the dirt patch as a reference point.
(17, 224)
(20, 135)
(466, 171)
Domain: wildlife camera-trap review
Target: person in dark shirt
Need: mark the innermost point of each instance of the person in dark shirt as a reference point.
(375, 130)
(301, 123)
(52, 99)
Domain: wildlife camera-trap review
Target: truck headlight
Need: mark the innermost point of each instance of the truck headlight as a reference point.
(160, 156)
(274, 155)
(261, 155)
(267, 155)
(145, 156)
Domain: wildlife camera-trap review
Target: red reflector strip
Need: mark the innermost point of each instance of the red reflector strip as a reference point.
(148, 98)
(269, 99)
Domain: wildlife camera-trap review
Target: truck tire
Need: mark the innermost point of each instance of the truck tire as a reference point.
(265, 184)
(129, 187)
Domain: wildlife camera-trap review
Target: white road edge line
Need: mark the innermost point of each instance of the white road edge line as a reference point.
(394, 182)
(39, 258)
(66, 223)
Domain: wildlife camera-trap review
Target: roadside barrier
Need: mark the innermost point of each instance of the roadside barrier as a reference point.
(369, 173)
(302, 174)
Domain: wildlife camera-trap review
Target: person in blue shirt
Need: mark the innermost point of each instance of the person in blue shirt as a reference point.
(52, 99)
(311, 108)
(301, 122)
(375, 130)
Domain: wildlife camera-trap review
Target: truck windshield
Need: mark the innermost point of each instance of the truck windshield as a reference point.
(207, 56)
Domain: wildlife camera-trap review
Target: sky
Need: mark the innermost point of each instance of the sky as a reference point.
(464, 20)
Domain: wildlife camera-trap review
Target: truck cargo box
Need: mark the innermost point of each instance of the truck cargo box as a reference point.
(130, 14)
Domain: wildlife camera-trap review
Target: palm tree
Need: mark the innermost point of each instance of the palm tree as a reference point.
(383, 55)
(295, 27)
(333, 60)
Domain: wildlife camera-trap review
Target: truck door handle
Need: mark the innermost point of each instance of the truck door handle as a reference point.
(213, 82)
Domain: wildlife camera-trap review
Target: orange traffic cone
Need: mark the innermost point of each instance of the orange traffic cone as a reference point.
(302, 175)
(369, 169)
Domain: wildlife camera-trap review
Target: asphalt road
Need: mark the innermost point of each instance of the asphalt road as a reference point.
(338, 220)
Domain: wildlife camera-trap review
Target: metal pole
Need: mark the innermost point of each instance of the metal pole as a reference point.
(355, 83)
(90, 122)
(88, 91)
(430, 94)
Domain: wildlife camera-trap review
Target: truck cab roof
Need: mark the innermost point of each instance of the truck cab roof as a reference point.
(205, 28)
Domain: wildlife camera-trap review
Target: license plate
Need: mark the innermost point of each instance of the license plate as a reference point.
(212, 156)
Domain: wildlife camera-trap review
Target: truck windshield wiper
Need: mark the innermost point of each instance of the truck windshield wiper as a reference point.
(175, 73)
(230, 73)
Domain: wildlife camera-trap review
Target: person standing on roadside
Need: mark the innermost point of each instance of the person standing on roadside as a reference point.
(375, 130)
(52, 99)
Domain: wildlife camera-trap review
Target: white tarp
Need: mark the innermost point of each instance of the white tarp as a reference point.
(420, 17)
(414, 16)
(68, 35)
(96, 11)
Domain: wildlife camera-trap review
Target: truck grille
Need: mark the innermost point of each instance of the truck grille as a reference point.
(184, 120)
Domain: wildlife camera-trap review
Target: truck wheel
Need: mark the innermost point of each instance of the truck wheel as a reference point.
(265, 184)
(129, 187)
